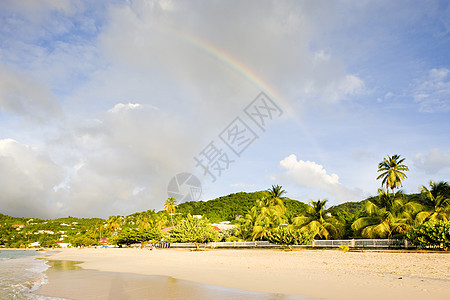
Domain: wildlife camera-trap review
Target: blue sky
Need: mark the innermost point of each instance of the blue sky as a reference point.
(102, 104)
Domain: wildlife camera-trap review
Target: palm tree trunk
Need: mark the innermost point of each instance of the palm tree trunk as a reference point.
(171, 218)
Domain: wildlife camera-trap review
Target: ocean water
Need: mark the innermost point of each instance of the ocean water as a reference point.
(21, 273)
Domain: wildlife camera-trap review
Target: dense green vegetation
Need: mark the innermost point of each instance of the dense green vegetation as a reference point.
(287, 236)
(434, 234)
(20, 232)
(262, 215)
(193, 230)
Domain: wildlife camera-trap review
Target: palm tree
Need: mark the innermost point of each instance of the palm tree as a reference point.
(114, 223)
(440, 188)
(270, 214)
(436, 204)
(385, 216)
(275, 198)
(144, 220)
(317, 219)
(392, 172)
(247, 224)
(159, 221)
(169, 206)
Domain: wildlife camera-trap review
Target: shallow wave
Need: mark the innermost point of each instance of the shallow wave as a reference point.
(21, 276)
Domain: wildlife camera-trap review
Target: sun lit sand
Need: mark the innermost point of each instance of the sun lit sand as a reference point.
(323, 274)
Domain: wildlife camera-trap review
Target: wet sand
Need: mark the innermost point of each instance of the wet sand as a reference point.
(68, 280)
(307, 273)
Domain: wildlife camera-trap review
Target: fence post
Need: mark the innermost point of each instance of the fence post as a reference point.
(352, 244)
(406, 244)
(314, 243)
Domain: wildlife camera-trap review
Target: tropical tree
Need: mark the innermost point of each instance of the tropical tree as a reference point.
(436, 206)
(130, 236)
(193, 230)
(114, 223)
(440, 188)
(247, 224)
(392, 172)
(319, 221)
(169, 206)
(144, 220)
(385, 216)
(275, 196)
(159, 221)
(271, 214)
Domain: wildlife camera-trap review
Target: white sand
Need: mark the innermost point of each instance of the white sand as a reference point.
(325, 274)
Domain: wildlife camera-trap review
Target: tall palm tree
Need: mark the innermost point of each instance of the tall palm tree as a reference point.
(169, 206)
(275, 197)
(392, 172)
(317, 219)
(436, 204)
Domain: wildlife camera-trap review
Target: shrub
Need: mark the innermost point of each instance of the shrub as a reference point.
(288, 236)
(431, 234)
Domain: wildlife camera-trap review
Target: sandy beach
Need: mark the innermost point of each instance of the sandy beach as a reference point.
(323, 274)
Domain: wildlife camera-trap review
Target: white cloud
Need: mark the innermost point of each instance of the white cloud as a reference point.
(188, 59)
(27, 179)
(308, 173)
(348, 85)
(37, 9)
(433, 92)
(124, 107)
(23, 95)
(312, 175)
(432, 162)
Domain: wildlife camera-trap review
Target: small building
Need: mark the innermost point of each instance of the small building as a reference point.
(64, 245)
(34, 245)
(224, 225)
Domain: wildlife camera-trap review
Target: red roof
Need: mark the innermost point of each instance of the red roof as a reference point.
(216, 228)
(167, 228)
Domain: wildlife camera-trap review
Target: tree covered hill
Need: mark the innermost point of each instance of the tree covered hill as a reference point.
(225, 208)
(233, 206)
(18, 231)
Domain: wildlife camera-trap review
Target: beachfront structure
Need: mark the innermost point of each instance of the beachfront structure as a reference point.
(224, 225)
(35, 244)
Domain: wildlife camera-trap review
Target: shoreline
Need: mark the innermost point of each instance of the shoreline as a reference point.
(328, 274)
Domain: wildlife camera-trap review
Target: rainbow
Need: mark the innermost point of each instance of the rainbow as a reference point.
(242, 69)
(239, 67)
